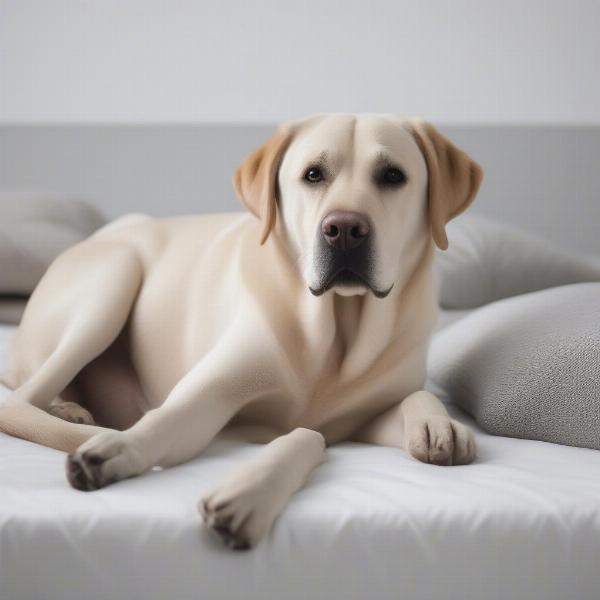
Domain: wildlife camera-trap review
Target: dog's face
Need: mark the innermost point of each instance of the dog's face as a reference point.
(357, 196)
(352, 197)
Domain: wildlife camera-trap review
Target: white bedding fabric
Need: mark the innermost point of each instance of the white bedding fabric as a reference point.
(522, 522)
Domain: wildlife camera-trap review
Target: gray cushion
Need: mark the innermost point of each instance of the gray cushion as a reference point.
(488, 260)
(528, 366)
(34, 229)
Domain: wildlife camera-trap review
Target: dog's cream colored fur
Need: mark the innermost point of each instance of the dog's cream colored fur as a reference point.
(172, 331)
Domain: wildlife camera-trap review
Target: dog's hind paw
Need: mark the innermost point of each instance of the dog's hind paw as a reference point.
(70, 411)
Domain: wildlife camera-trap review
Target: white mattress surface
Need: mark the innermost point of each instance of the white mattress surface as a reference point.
(522, 522)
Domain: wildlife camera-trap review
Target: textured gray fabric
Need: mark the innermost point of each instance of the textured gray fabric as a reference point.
(34, 229)
(527, 367)
(487, 261)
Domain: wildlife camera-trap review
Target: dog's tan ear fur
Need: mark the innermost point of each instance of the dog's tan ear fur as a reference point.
(453, 178)
(255, 180)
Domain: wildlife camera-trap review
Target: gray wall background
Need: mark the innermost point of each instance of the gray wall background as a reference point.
(451, 61)
(148, 105)
(544, 178)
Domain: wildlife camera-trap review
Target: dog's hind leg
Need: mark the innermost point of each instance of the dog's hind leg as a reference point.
(75, 313)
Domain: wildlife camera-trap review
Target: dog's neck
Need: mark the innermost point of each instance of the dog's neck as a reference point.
(347, 334)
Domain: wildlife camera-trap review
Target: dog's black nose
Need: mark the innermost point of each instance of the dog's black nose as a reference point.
(345, 229)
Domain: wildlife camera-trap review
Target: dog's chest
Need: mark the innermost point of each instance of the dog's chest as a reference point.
(332, 401)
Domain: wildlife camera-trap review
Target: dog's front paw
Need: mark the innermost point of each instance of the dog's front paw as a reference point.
(439, 440)
(243, 508)
(104, 459)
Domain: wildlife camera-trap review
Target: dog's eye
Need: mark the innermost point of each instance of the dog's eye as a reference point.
(392, 177)
(313, 175)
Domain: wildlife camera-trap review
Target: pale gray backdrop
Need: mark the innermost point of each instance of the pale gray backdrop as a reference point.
(546, 178)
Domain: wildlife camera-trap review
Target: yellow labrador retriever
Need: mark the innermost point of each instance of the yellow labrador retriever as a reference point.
(303, 325)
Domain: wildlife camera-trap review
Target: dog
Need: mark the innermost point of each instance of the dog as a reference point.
(300, 325)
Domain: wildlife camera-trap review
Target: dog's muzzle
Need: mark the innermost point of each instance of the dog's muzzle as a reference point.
(344, 253)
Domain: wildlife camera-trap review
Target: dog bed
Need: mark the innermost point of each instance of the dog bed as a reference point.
(523, 521)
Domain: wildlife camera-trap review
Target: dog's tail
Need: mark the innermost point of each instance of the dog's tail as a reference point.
(28, 422)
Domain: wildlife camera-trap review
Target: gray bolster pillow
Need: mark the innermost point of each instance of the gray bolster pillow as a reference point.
(489, 260)
(527, 367)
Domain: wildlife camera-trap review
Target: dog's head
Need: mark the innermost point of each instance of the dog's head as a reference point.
(357, 197)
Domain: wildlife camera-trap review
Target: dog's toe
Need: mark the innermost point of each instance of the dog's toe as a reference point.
(236, 540)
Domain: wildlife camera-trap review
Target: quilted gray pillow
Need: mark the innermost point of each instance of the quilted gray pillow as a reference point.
(529, 366)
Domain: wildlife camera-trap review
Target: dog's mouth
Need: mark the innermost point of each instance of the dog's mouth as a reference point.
(347, 269)
(347, 277)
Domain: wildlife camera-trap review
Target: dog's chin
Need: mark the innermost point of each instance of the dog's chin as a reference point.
(350, 290)
(347, 283)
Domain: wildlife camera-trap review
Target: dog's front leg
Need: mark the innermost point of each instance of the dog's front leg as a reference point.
(197, 408)
(421, 426)
(242, 509)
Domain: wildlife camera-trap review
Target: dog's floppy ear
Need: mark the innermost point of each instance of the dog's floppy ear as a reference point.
(255, 180)
(453, 178)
